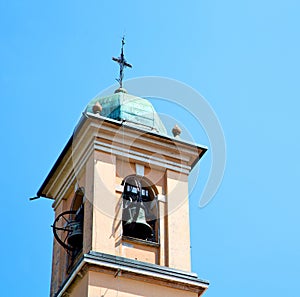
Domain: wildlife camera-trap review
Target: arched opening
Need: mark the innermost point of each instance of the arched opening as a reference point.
(68, 228)
(75, 238)
(140, 209)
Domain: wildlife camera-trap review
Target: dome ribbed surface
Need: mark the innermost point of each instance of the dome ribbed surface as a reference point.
(135, 110)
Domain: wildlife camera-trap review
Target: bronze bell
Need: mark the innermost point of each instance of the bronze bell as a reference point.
(75, 236)
(135, 224)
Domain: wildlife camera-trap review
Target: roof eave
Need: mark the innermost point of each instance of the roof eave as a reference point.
(42, 193)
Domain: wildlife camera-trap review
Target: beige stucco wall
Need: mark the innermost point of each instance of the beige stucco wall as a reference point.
(88, 205)
(104, 203)
(59, 258)
(80, 288)
(178, 221)
(100, 175)
(102, 225)
(140, 251)
(101, 284)
(174, 250)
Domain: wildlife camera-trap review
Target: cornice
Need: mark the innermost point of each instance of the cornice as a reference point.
(133, 269)
(115, 137)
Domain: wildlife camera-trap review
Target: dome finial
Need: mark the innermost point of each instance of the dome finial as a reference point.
(122, 62)
(176, 131)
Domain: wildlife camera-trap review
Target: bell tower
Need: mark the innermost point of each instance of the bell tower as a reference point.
(120, 197)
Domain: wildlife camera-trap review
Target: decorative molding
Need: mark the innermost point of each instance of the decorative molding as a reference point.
(139, 169)
(164, 274)
(119, 188)
(159, 151)
(72, 174)
(143, 158)
(127, 137)
(161, 198)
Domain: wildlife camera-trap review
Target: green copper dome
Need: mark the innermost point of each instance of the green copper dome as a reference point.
(122, 106)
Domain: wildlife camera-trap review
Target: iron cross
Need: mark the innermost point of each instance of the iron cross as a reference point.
(122, 62)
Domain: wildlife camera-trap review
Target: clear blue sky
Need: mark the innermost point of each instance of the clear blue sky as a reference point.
(242, 56)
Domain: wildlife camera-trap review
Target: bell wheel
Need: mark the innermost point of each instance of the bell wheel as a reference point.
(62, 228)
